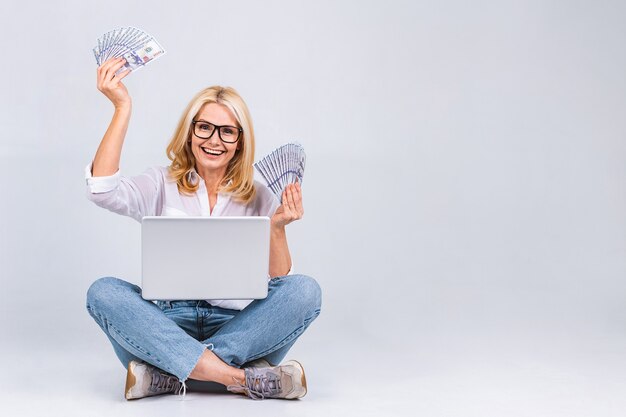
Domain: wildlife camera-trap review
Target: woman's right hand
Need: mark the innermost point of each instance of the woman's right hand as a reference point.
(111, 85)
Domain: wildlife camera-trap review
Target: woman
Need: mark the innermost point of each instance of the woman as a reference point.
(237, 343)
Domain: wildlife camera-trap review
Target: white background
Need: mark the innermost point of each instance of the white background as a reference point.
(464, 194)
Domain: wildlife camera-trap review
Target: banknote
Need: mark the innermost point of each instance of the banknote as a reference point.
(283, 166)
(136, 46)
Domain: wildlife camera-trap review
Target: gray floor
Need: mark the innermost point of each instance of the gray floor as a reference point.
(529, 374)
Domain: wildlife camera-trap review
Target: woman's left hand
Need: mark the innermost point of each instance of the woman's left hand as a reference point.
(291, 209)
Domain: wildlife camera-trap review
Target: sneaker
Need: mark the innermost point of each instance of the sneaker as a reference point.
(285, 381)
(259, 363)
(144, 380)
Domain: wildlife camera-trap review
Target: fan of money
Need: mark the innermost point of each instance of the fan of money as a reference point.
(283, 166)
(134, 45)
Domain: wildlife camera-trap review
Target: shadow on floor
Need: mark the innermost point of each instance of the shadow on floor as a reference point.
(205, 386)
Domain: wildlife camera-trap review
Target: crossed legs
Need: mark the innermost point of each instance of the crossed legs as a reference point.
(139, 330)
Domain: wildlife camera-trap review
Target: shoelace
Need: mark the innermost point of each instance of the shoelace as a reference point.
(257, 387)
(182, 389)
(162, 382)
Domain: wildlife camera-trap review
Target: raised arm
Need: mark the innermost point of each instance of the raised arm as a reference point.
(290, 210)
(107, 159)
(136, 196)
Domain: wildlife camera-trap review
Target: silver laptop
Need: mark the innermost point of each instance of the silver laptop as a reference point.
(204, 258)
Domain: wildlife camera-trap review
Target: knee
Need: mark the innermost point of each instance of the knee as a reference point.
(103, 292)
(306, 291)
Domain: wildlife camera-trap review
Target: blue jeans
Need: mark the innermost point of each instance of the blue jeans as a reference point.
(172, 335)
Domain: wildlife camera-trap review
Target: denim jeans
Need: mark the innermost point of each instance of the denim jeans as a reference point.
(172, 335)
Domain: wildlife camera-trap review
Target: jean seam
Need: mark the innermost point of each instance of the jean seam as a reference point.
(107, 324)
(97, 318)
(199, 322)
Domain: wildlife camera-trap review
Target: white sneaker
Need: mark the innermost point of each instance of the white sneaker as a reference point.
(144, 380)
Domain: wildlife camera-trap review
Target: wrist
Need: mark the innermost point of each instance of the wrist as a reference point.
(277, 229)
(123, 107)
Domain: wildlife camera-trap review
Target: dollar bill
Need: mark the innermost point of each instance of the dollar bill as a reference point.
(284, 165)
(136, 46)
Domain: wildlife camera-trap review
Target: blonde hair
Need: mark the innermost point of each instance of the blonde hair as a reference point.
(239, 179)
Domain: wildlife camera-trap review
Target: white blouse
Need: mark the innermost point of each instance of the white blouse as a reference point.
(154, 193)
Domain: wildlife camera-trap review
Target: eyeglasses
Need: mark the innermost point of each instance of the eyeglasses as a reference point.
(205, 130)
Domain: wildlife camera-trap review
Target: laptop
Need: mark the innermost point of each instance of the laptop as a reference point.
(204, 258)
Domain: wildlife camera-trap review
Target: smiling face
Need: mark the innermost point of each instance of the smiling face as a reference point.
(212, 155)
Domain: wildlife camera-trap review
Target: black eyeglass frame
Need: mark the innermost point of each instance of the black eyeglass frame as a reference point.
(218, 129)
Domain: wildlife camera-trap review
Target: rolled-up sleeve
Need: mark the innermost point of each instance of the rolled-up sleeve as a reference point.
(134, 197)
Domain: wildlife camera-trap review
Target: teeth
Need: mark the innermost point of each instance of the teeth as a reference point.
(212, 152)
